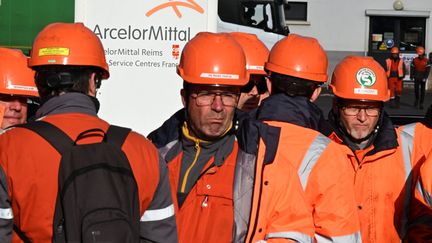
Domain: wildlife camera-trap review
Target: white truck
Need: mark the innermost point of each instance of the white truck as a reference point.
(143, 40)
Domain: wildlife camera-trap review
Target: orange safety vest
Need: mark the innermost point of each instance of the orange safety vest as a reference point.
(390, 64)
(279, 212)
(382, 182)
(420, 65)
(32, 176)
(420, 220)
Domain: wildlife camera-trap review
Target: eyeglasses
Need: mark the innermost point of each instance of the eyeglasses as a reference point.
(205, 98)
(354, 110)
(260, 84)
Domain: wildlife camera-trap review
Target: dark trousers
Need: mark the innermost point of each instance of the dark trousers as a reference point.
(418, 83)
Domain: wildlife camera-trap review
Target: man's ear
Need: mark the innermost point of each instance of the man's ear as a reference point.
(269, 85)
(183, 97)
(92, 85)
(315, 94)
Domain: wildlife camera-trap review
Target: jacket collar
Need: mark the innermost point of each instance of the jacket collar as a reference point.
(295, 110)
(73, 102)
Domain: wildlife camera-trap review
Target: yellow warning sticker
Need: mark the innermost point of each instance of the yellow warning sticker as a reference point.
(54, 51)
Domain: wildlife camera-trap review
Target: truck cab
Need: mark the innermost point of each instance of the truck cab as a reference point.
(264, 18)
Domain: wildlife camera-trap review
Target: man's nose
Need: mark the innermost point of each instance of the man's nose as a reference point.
(217, 104)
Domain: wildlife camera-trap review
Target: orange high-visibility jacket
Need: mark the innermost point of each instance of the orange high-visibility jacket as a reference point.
(320, 163)
(400, 68)
(31, 165)
(323, 172)
(420, 220)
(382, 180)
(220, 207)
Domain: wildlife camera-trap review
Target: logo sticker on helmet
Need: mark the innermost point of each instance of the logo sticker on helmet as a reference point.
(219, 75)
(54, 51)
(366, 77)
(254, 67)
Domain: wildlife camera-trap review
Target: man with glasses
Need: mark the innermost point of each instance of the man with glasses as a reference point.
(211, 188)
(379, 155)
(256, 54)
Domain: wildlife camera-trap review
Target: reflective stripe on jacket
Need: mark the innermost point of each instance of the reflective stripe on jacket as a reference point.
(6, 214)
(426, 182)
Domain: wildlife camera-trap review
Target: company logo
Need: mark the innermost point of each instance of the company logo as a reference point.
(175, 7)
(175, 51)
(366, 77)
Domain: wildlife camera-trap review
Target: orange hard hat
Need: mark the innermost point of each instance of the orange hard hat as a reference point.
(255, 50)
(16, 78)
(394, 50)
(420, 50)
(299, 56)
(360, 78)
(213, 58)
(68, 44)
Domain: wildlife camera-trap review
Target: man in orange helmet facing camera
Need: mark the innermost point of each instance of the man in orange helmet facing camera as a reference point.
(16, 86)
(379, 155)
(420, 68)
(256, 54)
(215, 186)
(395, 74)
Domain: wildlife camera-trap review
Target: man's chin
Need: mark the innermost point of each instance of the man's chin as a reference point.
(11, 122)
(359, 136)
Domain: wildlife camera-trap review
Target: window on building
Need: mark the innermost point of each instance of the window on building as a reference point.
(404, 32)
(296, 11)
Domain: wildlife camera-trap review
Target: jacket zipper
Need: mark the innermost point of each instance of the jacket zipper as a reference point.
(185, 177)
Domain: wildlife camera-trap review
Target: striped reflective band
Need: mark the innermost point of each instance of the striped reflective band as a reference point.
(158, 214)
(425, 194)
(297, 236)
(164, 150)
(6, 213)
(352, 238)
(311, 157)
(407, 134)
(428, 198)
